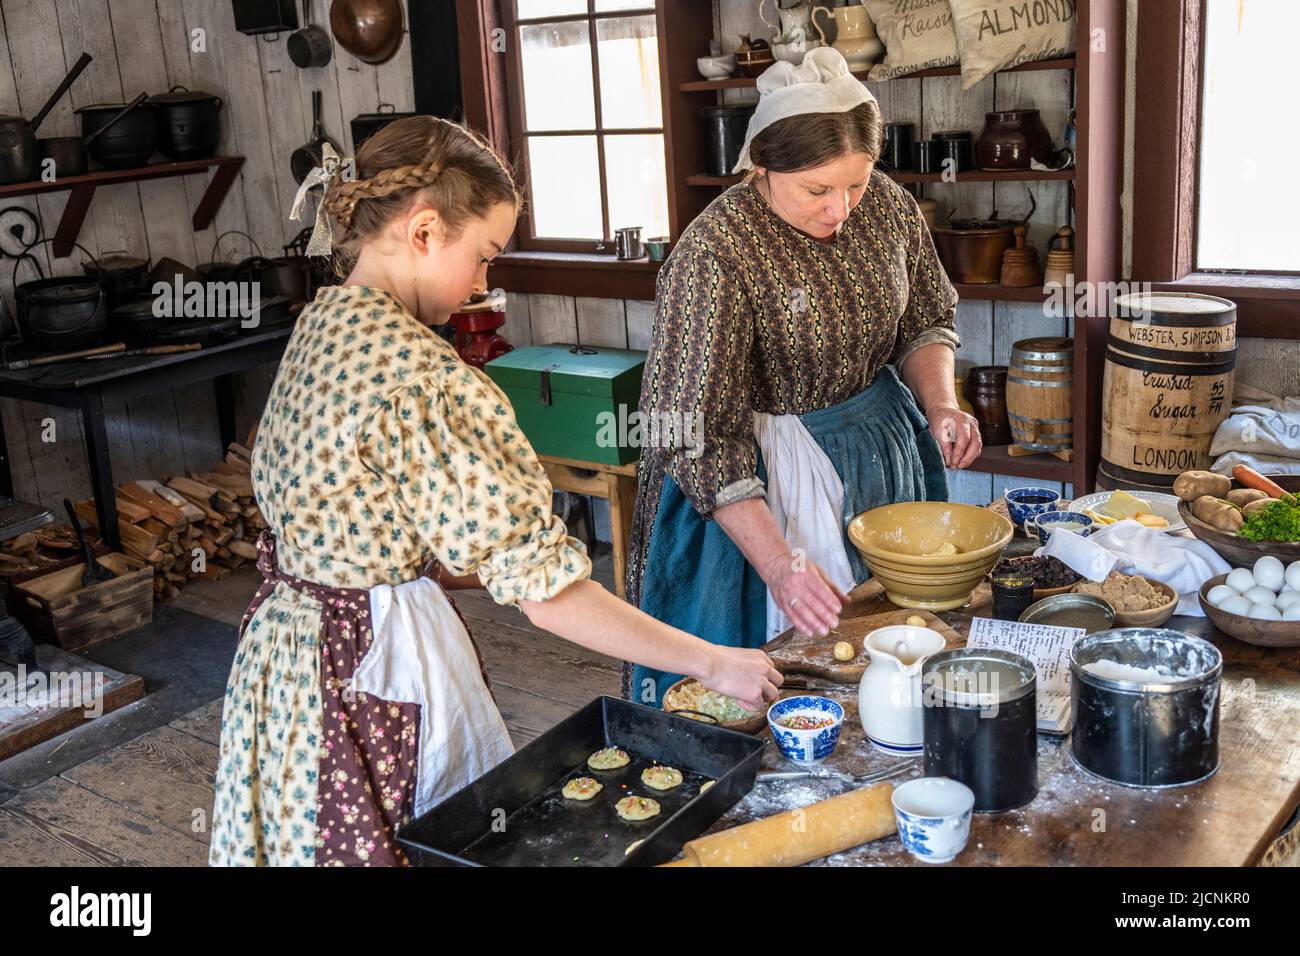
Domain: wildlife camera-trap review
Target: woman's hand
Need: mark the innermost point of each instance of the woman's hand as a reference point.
(745, 674)
(805, 594)
(957, 433)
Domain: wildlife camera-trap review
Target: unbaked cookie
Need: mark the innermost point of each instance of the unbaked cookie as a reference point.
(611, 758)
(637, 808)
(581, 788)
(661, 778)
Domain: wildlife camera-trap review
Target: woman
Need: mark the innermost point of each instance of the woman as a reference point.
(356, 699)
(776, 318)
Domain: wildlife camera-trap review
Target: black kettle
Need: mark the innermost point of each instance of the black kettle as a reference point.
(20, 156)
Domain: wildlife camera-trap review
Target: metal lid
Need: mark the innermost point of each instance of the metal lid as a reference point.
(1039, 610)
(179, 94)
(976, 677)
(67, 293)
(1190, 661)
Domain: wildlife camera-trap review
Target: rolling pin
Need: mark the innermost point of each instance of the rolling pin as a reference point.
(798, 836)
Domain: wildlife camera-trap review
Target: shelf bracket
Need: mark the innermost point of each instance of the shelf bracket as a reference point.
(74, 215)
(215, 194)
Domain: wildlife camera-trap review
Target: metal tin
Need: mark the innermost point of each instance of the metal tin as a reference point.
(1147, 733)
(1041, 612)
(981, 724)
(1012, 596)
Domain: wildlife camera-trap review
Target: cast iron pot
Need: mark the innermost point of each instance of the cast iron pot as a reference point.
(131, 141)
(123, 277)
(188, 126)
(135, 319)
(63, 312)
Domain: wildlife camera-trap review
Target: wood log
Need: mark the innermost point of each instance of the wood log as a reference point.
(188, 509)
(239, 451)
(132, 535)
(130, 511)
(223, 535)
(164, 511)
(243, 549)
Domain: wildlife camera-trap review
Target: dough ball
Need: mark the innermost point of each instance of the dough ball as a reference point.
(637, 808)
(581, 788)
(632, 846)
(915, 620)
(611, 758)
(706, 784)
(661, 778)
(844, 651)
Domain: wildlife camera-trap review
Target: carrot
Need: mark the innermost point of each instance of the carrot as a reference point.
(1252, 479)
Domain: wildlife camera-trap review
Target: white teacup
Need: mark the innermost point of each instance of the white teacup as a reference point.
(933, 815)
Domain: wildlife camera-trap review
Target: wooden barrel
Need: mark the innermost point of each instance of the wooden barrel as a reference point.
(1040, 398)
(1167, 384)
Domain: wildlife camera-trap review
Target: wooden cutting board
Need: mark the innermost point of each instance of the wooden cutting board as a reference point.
(796, 653)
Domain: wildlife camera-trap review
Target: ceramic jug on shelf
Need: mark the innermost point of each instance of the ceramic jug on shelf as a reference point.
(855, 35)
(890, 693)
(793, 23)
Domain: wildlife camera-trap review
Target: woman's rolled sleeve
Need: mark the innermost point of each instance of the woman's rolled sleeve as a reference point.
(931, 311)
(480, 498)
(696, 387)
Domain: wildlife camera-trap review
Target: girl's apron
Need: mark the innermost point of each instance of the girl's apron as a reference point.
(820, 469)
(389, 652)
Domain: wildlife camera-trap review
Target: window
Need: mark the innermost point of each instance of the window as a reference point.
(587, 120)
(1247, 205)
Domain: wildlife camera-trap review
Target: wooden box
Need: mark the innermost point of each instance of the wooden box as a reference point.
(580, 405)
(55, 607)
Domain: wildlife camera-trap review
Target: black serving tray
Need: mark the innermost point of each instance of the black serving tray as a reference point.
(514, 814)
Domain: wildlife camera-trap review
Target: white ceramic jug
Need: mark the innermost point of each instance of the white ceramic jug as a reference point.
(890, 694)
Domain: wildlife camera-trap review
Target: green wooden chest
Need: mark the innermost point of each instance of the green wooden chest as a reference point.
(574, 403)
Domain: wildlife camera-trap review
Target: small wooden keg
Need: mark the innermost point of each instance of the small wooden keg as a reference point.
(1040, 397)
(1167, 384)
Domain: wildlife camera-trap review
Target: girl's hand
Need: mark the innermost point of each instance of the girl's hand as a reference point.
(957, 433)
(745, 674)
(805, 595)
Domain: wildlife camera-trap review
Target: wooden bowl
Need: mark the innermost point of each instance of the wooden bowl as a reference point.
(1248, 629)
(1236, 550)
(1151, 617)
(750, 725)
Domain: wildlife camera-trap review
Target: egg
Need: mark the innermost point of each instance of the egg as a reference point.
(1260, 595)
(1219, 593)
(1240, 580)
(1286, 599)
(1235, 605)
(1264, 612)
(1270, 573)
(1292, 613)
(1293, 575)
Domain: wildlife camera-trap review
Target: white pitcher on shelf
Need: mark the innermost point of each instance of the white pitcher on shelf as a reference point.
(855, 35)
(794, 23)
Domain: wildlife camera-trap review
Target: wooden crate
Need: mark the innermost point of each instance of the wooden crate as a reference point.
(56, 607)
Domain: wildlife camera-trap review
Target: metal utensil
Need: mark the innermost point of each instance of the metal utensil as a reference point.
(94, 570)
(102, 351)
(19, 153)
(310, 46)
(308, 156)
(821, 773)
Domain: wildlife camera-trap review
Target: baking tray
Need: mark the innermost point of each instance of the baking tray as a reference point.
(514, 814)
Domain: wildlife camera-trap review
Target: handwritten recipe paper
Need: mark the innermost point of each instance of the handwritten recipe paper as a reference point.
(1049, 649)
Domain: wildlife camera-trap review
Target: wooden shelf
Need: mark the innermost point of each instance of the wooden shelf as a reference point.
(995, 460)
(83, 191)
(970, 176)
(744, 82)
(1000, 293)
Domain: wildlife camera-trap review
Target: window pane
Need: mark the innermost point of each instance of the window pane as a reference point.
(528, 9)
(564, 175)
(608, 6)
(638, 187)
(1245, 220)
(628, 52)
(556, 61)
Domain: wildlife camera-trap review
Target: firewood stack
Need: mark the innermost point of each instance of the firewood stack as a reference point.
(166, 525)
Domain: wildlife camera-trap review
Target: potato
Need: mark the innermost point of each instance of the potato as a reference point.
(1250, 507)
(1191, 485)
(1217, 513)
(1244, 496)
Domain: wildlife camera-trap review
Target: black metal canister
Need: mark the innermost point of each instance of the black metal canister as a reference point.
(981, 724)
(897, 154)
(1146, 729)
(724, 136)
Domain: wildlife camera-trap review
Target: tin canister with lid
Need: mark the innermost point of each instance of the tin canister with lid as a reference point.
(1145, 702)
(981, 724)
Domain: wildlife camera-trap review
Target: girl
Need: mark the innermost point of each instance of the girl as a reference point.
(356, 699)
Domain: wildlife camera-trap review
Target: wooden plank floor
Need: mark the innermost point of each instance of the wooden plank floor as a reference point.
(148, 801)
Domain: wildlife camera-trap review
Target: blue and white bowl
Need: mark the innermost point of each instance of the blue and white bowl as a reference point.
(1066, 521)
(1022, 510)
(933, 815)
(805, 746)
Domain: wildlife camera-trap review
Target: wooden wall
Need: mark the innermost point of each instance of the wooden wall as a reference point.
(146, 46)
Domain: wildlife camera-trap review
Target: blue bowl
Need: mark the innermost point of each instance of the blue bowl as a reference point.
(1045, 523)
(1021, 510)
(805, 746)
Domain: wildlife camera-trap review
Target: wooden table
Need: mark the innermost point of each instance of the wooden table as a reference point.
(1233, 819)
(616, 484)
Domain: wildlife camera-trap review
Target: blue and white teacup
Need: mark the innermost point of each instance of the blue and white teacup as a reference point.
(806, 746)
(1026, 503)
(1072, 521)
(933, 815)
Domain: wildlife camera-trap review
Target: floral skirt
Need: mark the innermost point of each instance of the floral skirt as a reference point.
(310, 772)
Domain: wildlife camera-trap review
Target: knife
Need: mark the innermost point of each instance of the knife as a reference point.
(772, 776)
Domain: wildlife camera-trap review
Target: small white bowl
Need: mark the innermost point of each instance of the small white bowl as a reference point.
(933, 815)
(716, 67)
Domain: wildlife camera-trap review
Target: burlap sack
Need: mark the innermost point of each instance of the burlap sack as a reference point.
(995, 34)
(917, 34)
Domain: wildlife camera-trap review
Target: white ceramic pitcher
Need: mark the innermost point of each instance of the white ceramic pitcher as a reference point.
(889, 696)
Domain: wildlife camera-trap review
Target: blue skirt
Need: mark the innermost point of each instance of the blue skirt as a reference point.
(696, 579)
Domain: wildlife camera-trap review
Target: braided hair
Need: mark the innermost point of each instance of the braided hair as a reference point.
(450, 166)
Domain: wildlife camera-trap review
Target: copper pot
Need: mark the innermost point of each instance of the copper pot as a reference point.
(973, 255)
(371, 30)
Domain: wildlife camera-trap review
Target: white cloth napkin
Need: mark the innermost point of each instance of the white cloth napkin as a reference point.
(806, 498)
(1132, 548)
